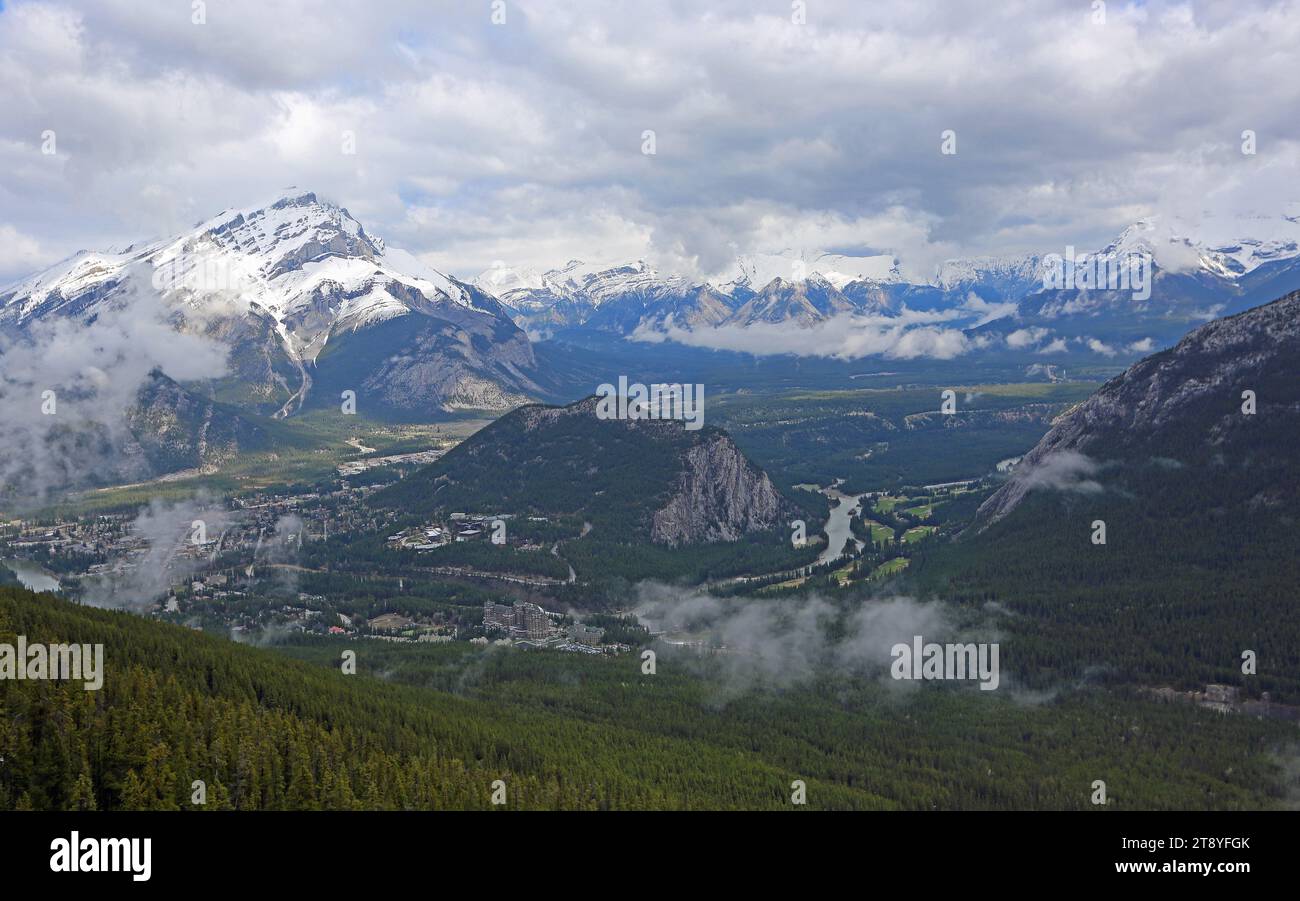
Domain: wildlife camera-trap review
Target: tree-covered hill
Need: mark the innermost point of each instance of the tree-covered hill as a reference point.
(652, 479)
(431, 727)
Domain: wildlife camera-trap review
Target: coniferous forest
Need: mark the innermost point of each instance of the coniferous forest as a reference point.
(423, 728)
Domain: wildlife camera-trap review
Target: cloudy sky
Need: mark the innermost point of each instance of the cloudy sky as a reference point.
(523, 141)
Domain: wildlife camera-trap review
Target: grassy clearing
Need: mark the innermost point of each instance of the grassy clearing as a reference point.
(316, 444)
(879, 532)
(887, 503)
(911, 536)
(890, 568)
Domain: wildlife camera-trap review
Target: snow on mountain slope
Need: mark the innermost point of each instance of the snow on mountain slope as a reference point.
(1163, 275)
(610, 283)
(805, 302)
(278, 282)
(756, 271)
(618, 298)
(1199, 266)
(1005, 277)
(594, 283)
(280, 257)
(502, 280)
(1226, 246)
(631, 298)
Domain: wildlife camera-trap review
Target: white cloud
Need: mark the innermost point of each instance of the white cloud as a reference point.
(66, 385)
(844, 337)
(1026, 337)
(769, 135)
(1065, 470)
(791, 643)
(988, 312)
(19, 254)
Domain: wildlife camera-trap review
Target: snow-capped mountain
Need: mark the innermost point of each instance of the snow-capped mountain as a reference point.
(615, 298)
(756, 271)
(1229, 247)
(991, 278)
(801, 288)
(804, 302)
(274, 256)
(633, 298)
(308, 303)
(1197, 270)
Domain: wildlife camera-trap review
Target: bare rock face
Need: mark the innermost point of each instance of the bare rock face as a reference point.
(804, 302)
(720, 497)
(175, 429)
(458, 360)
(1184, 401)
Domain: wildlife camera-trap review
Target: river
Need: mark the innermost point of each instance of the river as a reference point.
(33, 577)
(837, 525)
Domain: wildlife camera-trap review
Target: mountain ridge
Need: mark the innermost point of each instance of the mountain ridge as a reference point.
(1193, 279)
(1189, 396)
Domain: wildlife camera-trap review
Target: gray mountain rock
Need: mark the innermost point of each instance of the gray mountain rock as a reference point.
(1184, 403)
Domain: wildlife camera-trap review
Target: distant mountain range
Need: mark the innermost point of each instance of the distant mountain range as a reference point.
(1196, 272)
(307, 305)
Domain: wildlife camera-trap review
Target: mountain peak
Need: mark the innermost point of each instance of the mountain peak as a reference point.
(293, 229)
(291, 196)
(1226, 245)
(276, 254)
(287, 277)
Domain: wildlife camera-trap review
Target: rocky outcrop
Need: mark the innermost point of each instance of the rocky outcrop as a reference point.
(720, 496)
(804, 302)
(176, 429)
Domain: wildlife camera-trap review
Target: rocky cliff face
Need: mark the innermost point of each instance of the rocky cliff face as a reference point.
(416, 365)
(1184, 404)
(175, 429)
(720, 496)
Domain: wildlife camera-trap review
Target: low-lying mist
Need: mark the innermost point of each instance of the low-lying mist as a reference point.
(788, 642)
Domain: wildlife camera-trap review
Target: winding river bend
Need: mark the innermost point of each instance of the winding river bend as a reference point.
(837, 524)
